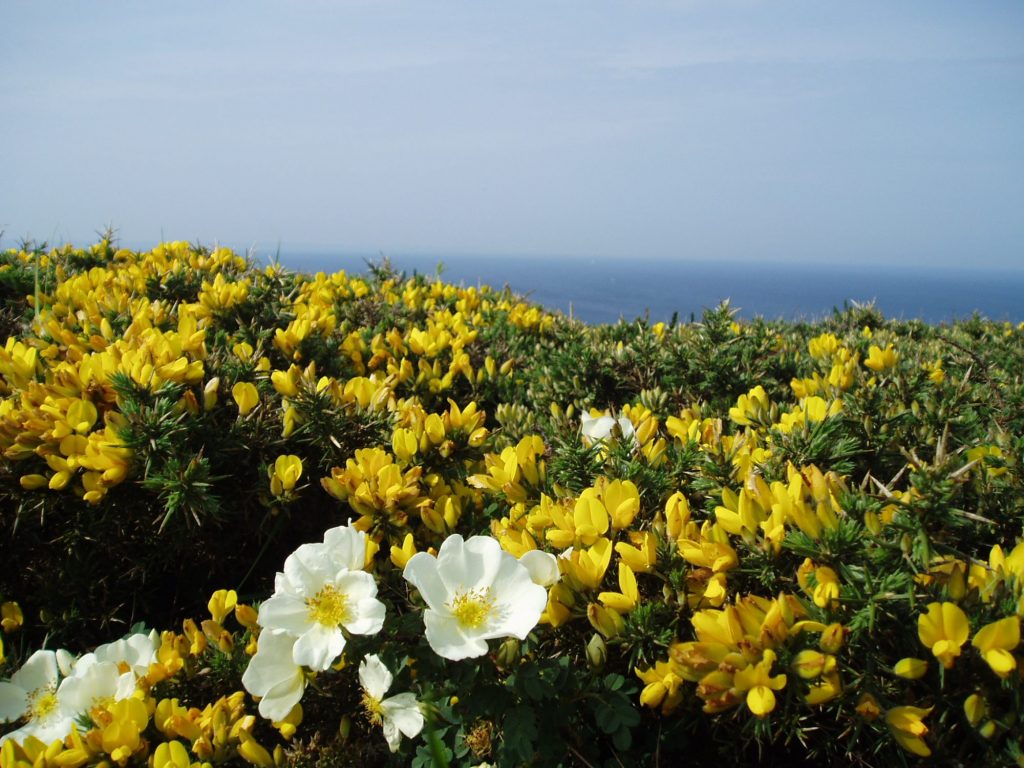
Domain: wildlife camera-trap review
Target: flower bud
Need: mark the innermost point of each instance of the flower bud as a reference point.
(508, 653)
(597, 653)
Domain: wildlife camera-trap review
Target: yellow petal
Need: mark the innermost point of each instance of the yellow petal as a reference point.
(761, 700)
(910, 669)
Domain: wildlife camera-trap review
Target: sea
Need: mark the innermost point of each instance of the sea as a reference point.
(605, 291)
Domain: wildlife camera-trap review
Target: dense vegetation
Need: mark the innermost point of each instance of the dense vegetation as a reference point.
(770, 541)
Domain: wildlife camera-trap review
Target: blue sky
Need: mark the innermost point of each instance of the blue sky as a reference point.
(799, 130)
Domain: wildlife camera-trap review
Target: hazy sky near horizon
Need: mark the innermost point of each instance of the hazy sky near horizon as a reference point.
(741, 130)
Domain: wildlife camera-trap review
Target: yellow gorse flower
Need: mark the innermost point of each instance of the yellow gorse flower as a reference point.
(284, 475)
(943, 630)
(907, 727)
(996, 641)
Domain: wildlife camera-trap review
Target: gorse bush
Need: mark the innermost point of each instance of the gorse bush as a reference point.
(255, 516)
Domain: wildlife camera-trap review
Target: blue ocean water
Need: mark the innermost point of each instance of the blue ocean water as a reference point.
(602, 291)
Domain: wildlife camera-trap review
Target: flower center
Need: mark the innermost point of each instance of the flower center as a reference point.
(329, 607)
(41, 704)
(473, 607)
(373, 709)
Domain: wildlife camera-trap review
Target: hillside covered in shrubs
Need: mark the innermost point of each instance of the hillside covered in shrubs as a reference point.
(255, 516)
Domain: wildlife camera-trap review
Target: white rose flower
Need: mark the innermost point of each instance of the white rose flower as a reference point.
(597, 429)
(322, 594)
(32, 693)
(475, 592)
(397, 715)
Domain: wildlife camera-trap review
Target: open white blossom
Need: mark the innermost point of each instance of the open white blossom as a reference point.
(321, 595)
(132, 653)
(32, 693)
(475, 592)
(397, 715)
(274, 676)
(94, 683)
(597, 429)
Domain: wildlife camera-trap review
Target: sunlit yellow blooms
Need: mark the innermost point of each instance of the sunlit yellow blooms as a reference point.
(253, 752)
(626, 599)
(516, 471)
(906, 726)
(710, 550)
(291, 723)
(759, 684)
(824, 689)
(605, 620)
(587, 566)
(743, 513)
(246, 396)
(823, 346)
(943, 630)
(910, 668)
(880, 360)
(11, 617)
(989, 457)
(222, 602)
(120, 728)
(590, 518)
(868, 707)
(221, 295)
(401, 555)
(246, 615)
(662, 686)
(404, 444)
(810, 410)
(810, 664)
(641, 554)
(976, 711)
(171, 754)
(753, 408)
(821, 582)
(949, 573)
(284, 475)
(935, 373)
(995, 642)
(376, 487)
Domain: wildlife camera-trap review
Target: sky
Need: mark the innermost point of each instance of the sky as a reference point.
(740, 130)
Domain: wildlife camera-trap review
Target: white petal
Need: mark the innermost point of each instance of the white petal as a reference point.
(518, 602)
(65, 661)
(404, 711)
(597, 428)
(374, 677)
(309, 567)
(280, 699)
(92, 681)
(543, 567)
(126, 685)
(368, 619)
(40, 671)
(272, 663)
(318, 647)
(421, 571)
(347, 547)
(287, 612)
(13, 702)
(54, 728)
(447, 639)
(355, 585)
(469, 564)
(391, 734)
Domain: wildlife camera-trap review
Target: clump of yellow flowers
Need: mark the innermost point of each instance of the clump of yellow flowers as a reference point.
(726, 537)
